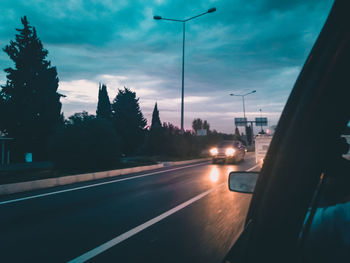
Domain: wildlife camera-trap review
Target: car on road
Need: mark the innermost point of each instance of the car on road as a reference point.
(302, 157)
(228, 151)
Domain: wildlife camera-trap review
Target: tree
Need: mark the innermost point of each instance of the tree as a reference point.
(197, 124)
(237, 136)
(206, 126)
(104, 109)
(249, 133)
(84, 143)
(155, 139)
(2, 114)
(156, 124)
(79, 118)
(180, 145)
(128, 120)
(32, 107)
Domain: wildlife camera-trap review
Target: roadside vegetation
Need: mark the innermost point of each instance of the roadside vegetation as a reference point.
(116, 136)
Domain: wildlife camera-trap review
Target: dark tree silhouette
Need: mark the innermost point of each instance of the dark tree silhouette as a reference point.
(32, 107)
(237, 136)
(156, 124)
(249, 133)
(128, 120)
(79, 118)
(178, 144)
(197, 124)
(2, 113)
(155, 141)
(85, 143)
(104, 109)
(206, 126)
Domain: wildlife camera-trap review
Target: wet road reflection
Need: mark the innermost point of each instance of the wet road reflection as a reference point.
(202, 231)
(219, 173)
(214, 174)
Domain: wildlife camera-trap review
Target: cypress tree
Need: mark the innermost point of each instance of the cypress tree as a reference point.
(155, 118)
(237, 136)
(155, 144)
(32, 104)
(104, 109)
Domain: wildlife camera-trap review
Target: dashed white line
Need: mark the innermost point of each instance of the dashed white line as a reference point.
(255, 166)
(111, 243)
(94, 185)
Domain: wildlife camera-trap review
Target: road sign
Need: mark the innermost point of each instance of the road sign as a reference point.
(261, 121)
(240, 121)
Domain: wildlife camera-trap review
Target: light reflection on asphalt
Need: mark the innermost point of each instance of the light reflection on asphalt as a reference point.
(214, 174)
(221, 172)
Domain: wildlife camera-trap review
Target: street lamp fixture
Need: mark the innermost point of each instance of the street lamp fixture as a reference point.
(183, 21)
(243, 100)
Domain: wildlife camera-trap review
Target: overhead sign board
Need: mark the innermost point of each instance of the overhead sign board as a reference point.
(261, 121)
(240, 121)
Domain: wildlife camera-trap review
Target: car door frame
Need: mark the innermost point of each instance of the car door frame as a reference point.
(316, 112)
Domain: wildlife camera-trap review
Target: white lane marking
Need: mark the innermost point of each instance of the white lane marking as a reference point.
(94, 185)
(111, 243)
(255, 166)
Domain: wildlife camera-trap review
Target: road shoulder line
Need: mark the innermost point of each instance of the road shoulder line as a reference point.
(96, 184)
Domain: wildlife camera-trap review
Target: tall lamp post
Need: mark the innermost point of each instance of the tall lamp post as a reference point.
(243, 101)
(211, 10)
(245, 122)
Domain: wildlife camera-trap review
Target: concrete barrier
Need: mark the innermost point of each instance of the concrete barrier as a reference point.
(166, 164)
(71, 179)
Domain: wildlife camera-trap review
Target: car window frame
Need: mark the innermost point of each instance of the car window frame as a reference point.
(289, 176)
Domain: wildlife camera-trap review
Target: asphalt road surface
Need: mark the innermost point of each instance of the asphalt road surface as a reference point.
(175, 214)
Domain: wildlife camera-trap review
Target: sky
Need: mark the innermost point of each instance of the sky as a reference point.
(245, 45)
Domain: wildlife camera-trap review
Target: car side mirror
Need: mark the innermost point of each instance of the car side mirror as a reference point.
(242, 182)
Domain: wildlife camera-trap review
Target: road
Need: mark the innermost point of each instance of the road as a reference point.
(174, 214)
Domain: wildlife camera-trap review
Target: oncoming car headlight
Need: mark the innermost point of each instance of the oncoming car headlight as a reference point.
(230, 152)
(213, 151)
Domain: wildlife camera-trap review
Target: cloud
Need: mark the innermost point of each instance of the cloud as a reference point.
(245, 45)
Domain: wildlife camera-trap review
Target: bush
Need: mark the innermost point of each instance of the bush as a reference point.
(85, 143)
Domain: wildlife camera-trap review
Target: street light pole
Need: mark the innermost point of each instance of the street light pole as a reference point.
(183, 77)
(245, 122)
(243, 101)
(243, 107)
(183, 21)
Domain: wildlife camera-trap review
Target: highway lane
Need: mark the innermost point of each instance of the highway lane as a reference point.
(64, 226)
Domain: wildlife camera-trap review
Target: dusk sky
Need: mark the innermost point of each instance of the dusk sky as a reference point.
(245, 45)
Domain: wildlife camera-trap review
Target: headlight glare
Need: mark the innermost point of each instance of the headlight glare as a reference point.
(230, 152)
(213, 151)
